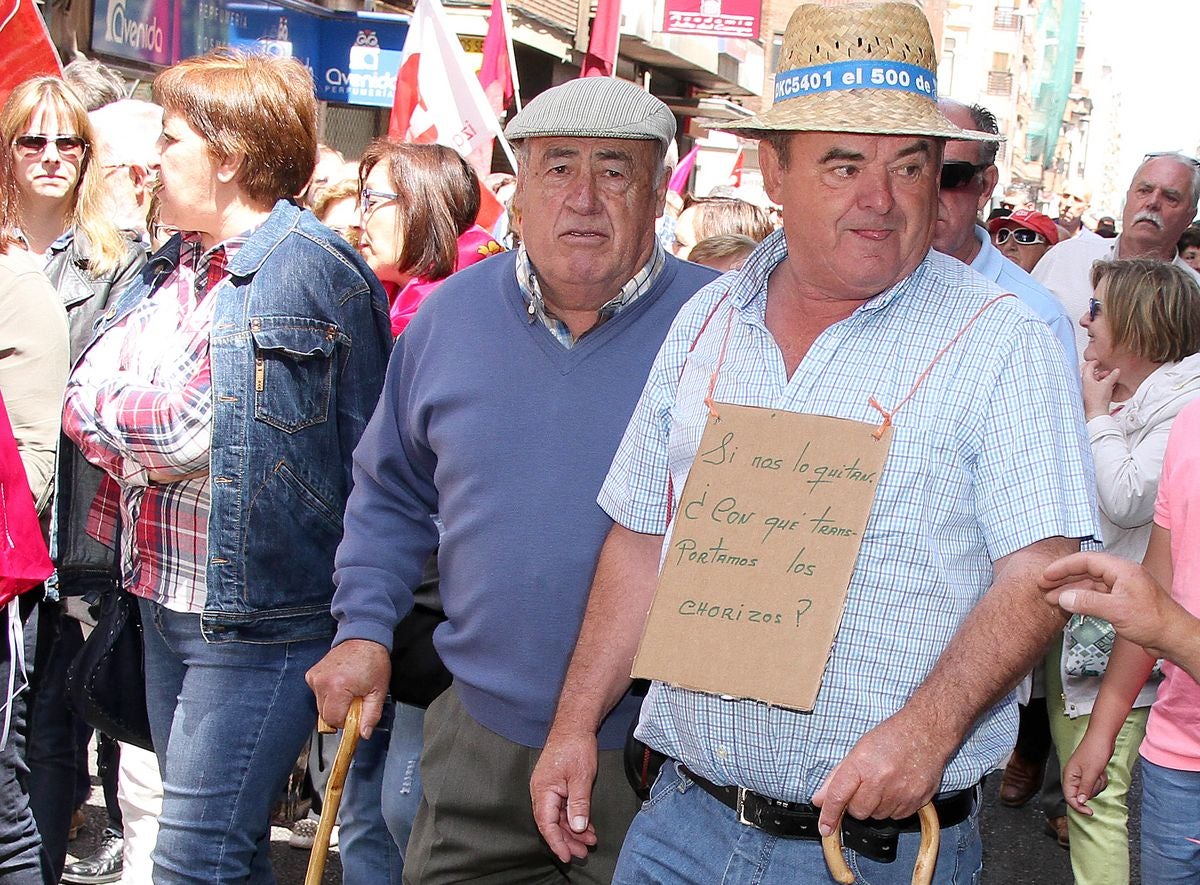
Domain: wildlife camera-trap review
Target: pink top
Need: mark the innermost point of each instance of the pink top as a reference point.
(474, 245)
(1173, 732)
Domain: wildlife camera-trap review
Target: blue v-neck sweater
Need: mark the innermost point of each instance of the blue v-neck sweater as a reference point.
(489, 422)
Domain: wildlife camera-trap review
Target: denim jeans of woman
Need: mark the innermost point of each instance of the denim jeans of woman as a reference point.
(228, 721)
(682, 836)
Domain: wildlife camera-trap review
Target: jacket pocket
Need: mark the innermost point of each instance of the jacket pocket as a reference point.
(293, 370)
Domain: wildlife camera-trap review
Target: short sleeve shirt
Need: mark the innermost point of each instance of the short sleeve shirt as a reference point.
(988, 457)
(1173, 732)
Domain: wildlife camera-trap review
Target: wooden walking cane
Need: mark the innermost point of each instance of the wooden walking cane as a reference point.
(333, 789)
(931, 838)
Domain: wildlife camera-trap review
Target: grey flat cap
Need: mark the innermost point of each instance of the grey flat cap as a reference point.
(594, 107)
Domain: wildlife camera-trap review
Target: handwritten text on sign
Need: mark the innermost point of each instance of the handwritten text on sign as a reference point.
(761, 553)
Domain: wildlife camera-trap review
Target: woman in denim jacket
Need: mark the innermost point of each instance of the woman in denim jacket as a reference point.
(223, 395)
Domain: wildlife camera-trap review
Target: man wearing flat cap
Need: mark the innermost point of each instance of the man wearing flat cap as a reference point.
(505, 400)
(962, 397)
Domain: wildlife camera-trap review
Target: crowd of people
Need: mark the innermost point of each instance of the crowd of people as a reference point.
(321, 434)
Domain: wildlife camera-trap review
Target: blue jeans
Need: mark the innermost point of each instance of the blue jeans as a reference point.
(1170, 821)
(402, 773)
(364, 843)
(228, 721)
(23, 861)
(683, 835)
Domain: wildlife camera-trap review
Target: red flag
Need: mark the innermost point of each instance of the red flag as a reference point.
(27, 50)
(495, 75)
(679, 178)
(735, 174)
(601, 58)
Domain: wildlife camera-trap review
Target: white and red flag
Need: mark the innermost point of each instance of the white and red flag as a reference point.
(438, 97)
(25, 47)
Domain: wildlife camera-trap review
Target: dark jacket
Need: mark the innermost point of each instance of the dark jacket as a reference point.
(80, 559)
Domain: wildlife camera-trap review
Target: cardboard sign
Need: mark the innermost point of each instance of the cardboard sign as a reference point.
(761, 553)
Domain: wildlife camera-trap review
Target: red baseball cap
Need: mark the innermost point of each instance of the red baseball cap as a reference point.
(1027, 218)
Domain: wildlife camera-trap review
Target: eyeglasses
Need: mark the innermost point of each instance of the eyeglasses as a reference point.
(369, 199)
(1094, 308)
(69, 147)
(1020, 234)
(958, 173)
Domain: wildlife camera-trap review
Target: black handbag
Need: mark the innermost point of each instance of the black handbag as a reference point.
(106, 683)
(418, 674)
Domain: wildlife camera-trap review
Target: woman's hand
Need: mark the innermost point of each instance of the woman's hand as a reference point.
(1098, 386)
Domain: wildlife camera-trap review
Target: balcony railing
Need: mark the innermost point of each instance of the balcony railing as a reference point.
(1006, 20)
(999, 83)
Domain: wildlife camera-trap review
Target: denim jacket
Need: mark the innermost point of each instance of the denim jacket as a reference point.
(299, 343)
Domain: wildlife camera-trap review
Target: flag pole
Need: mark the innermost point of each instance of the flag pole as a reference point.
(512, 58)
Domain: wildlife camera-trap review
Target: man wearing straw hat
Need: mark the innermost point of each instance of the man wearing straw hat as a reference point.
(845, 313)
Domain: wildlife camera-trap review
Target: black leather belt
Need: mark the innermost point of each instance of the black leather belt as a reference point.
(875, 839)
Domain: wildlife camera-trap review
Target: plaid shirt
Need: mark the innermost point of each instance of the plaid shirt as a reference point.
(139, 405)
(639, 285)
(988, 457)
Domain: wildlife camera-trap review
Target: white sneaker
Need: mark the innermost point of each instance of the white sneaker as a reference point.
(304, 834)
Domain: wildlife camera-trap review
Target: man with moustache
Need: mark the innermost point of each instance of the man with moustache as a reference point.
(968, 177)
(1159, 205)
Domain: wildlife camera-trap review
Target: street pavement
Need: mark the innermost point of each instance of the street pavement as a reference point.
(1016, 850)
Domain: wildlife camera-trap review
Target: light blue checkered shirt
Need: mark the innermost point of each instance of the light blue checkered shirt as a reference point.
(641, 283)
(988, 457)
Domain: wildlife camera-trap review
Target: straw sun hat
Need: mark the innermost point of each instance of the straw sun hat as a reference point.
(856, 67)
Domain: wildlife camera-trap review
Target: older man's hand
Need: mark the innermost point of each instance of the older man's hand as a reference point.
(892, 771)
(357, 668)
(561, 792)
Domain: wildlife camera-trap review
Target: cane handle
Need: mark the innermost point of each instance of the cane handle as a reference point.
(931, 838)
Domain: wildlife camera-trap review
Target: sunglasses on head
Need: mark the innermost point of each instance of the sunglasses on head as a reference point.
(1191, 161)
(1094, 308)
(958, 173)
(1021, 235)
(69, 146)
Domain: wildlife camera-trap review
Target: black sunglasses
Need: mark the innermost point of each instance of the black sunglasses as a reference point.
(1093, 309)
(958, 173)
(1020, 234)
(71, 146)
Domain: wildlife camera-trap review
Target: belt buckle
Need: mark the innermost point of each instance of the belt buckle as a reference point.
(741, 805)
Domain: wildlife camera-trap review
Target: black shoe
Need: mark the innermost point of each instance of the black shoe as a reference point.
(104, 865)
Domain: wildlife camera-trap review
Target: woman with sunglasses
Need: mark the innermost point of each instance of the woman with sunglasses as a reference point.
(64, 221)
(426, 188)
(1023, 237)
(33, 372)
(1140, 369)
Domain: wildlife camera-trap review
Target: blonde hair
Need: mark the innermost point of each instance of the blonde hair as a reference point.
(1152, 307)
(107, 246)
